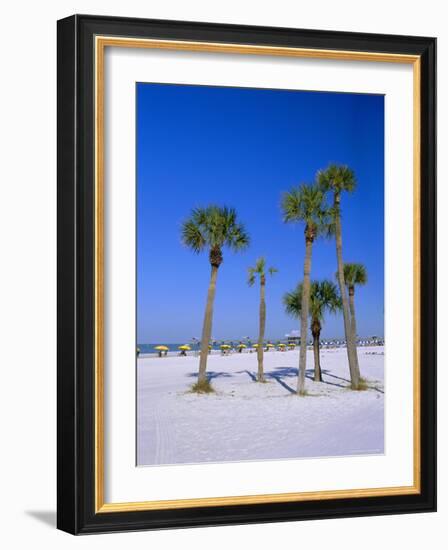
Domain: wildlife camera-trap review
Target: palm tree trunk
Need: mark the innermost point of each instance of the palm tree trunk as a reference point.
(304, 315)
(351, 297)
(260, 350)
(316, 350)
(207, 326)
(351, 346)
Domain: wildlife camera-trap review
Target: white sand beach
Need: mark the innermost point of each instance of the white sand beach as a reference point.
(245, 420)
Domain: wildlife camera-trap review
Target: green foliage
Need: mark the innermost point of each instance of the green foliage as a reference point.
(336, 178)
(306, 204)
(355, 274)
(324, 297)
(259, 269)
(214, 227)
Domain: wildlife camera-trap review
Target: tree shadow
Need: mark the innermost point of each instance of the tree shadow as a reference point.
(283, 372)
(310, 375)
(328, 373)
(348, 382)
(251, 375)
(291, 372)
(282, 383)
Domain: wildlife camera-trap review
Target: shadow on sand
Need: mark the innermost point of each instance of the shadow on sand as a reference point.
(279, 373)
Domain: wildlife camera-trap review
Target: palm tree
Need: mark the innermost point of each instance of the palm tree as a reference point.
(324, 297)
(305, 204)
(354, 274)
(212, 228)
(260, 270)
(339, 178)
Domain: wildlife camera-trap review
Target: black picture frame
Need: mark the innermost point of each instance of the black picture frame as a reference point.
(76, 396)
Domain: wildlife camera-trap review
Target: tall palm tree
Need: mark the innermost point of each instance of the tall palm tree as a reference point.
(212, 228)
(305, 204)
(324, 297)
(354, 274)
(259, 270)
(338, 179)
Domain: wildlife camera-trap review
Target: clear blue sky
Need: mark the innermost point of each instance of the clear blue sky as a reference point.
(198, 145)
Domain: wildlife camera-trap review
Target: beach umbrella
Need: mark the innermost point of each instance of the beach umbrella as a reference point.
(270, 346)
(162, 348)
(185, 347)
(225, 346)
(281, 345)
(242, 346)
(255, 345)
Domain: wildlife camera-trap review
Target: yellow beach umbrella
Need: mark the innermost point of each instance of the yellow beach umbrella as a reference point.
(281, 345)
(185, 347)
(270, 346)
(255, 345)
(225, 346)
(161, 348)
(242, 346)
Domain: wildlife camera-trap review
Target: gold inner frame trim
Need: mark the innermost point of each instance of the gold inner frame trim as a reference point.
(101, 42)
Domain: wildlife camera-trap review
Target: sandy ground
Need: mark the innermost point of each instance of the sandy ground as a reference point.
(245, 420)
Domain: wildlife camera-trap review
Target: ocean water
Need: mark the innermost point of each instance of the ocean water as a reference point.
(174, 348)
(150, 348)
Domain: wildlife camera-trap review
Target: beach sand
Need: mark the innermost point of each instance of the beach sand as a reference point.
(245, 420)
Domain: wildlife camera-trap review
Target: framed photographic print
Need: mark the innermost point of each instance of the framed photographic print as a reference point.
(246, 274)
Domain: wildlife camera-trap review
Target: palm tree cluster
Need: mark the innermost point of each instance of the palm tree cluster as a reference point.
(318, 207)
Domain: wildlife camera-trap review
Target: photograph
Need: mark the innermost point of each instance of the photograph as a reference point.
(246, 273)
(260, 229)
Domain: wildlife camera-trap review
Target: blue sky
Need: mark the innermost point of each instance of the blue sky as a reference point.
(243, 147)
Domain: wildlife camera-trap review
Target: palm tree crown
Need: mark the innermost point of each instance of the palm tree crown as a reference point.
(355, 274)
(214, 227)
(324, 297)
(337, 178)
(259, 269)
(306, 204)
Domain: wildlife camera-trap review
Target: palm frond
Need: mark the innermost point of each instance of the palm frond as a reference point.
(307, 204)
(251, 276)
(257, 269)
(292, 302)
(192, 236)
(355, 274)
(336, 177)
(236, 237)
(214, 227)
(291, 205)
(324, 297)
